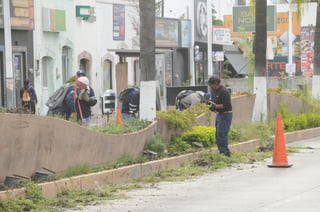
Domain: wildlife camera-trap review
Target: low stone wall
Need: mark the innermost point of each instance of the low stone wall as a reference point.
(293, 104)
(30, 142)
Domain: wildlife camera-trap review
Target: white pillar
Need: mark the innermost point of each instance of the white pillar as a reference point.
(259, 113)
(10, 86)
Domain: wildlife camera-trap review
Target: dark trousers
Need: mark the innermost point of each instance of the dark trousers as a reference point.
(30, 107)
(222, 124)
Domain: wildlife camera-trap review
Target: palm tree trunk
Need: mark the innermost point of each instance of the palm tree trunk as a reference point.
(147, 39)
(261, 38)
(260, 84)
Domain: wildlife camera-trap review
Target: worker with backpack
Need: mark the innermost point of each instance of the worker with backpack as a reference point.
(187, 98)
(130, 100)
(28, 97)
(59, 104)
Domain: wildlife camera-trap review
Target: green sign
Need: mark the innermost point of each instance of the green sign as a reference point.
(243, 19)
(83, 11)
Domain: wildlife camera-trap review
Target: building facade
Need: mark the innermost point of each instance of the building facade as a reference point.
(72, 34)
(20, 20)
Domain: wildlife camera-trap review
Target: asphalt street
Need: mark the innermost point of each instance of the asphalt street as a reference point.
(240, 188)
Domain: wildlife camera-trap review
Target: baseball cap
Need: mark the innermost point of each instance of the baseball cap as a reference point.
(81, 73)
(84, 80)
(213, 80)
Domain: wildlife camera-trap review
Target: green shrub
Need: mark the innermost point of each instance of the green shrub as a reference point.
(293, 122)
(183, 120)
(128, 126)
(313, 119)
(176, 119)
(233, 134)
(201, 134)
(156, 144)
(178, 146)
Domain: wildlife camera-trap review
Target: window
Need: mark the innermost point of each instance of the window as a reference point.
(107, 75)
(66, 66)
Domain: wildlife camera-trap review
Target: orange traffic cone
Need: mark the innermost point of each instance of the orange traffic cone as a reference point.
(279, 150)
(118, 117)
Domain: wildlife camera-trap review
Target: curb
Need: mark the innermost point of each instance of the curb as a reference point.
(125, 174)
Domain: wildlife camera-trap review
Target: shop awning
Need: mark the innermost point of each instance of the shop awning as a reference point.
(238, 62)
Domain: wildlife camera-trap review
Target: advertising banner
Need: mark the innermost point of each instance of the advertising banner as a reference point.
(119, 20)
(167, 31)
(185, 34)
(307, 49)
(221, 35)
(244, 19)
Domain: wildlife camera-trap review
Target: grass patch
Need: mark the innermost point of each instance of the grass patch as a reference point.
(208, 162)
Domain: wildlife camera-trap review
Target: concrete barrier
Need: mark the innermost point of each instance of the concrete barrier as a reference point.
(30, 142)
(128, 173)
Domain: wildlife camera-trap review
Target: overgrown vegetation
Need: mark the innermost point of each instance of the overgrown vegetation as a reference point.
(182, 141)
(182, 120)
(131, 125)
(35, 201)
(201, 134)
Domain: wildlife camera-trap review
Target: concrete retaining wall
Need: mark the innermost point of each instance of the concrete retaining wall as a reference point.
(30, 142)
(126, 174)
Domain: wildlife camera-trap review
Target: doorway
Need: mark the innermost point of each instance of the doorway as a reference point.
(19, 75)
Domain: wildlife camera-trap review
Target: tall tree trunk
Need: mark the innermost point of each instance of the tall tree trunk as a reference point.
(147, 39)
(316, 58)
(260, 82)
(261, 38)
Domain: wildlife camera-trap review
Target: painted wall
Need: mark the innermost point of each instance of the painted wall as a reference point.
(49, 44)
(86, 39)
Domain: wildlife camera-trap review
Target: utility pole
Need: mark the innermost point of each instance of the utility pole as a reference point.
(9, 84)
(162, 8)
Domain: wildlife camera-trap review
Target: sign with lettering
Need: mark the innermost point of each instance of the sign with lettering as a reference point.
(243, 19)
(221, 35)
(119, 20)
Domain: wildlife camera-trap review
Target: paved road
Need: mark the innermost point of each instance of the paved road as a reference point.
(242, 188)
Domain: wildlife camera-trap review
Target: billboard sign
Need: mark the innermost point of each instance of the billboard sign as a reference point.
(243, 19)
(119, 20)
(167, 32)
(185, 33)
(221, 35)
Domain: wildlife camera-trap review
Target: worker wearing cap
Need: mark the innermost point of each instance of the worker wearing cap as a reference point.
(220, 103)
(84, 100)
(71, 96)
(80, 73)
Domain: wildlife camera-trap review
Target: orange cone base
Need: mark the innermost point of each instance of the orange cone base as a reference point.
(280, 166)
